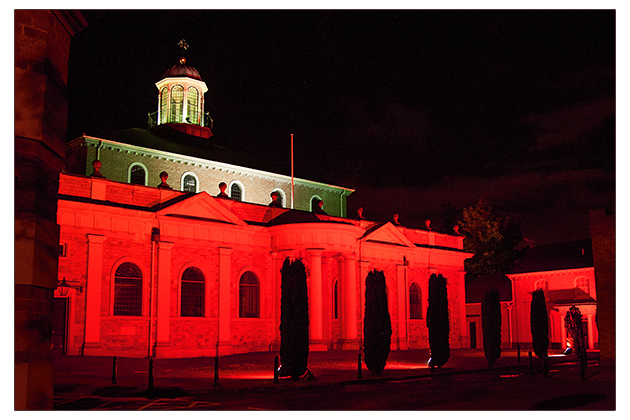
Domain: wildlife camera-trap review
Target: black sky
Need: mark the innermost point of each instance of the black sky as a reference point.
(413, 109)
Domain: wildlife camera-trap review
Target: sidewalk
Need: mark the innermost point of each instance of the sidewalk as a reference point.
(84, 375)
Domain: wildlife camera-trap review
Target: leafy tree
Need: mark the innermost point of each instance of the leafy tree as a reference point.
(573, 326)
(437, 321)
(495, 240)
(377, 326)
(539, 323)
(491, 325)
(294, 338)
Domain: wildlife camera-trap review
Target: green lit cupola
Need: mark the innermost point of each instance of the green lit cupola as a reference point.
(181, 99)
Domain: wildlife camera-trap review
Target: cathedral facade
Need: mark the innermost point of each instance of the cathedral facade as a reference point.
(171, 246)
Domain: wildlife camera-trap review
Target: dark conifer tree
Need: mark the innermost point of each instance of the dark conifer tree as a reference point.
(294, 322)
(437, 321)
(573, 326)
(377, 326)
(491, 325)
(539, 322)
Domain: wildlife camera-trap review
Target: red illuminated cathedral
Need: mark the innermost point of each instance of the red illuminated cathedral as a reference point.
(171, 246)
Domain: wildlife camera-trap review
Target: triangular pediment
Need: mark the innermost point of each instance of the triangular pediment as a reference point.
(387, 234)
(201, 206)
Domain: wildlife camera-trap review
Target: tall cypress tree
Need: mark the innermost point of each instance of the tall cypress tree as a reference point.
(437, 321)
(294, 319)
(491, 325)
(377, 325)
(573, 326)
(539, 322)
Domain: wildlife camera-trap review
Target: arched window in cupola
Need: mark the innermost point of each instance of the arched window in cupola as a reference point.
(193, 105)
(163, 105)
(177, 104)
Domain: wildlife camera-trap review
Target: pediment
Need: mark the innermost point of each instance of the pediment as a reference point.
(200, 206)
(387, 234)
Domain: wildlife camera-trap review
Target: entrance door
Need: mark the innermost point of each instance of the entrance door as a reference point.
(60, 316)
(473, 334)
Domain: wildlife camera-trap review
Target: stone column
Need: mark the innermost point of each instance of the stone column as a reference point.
(224, 298)
(463, 325)
(350, 341)
(93, 294)
(341, 302)
(591, 332)
(315, 302)
(163, 318)
(276, 261)
(401, 280)
(364, 267)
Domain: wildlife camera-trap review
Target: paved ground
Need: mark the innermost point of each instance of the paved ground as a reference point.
(189, 382)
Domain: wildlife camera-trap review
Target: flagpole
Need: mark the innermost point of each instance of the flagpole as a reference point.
(292, 184)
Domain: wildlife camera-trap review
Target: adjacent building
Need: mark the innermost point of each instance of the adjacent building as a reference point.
(564, 271)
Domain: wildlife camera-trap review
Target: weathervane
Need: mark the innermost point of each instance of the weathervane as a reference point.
(184, 46)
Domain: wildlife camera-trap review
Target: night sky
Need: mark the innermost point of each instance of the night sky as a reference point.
(414, 109)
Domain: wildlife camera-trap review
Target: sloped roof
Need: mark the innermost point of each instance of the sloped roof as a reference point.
(165, 138)
(557, 256)
(476, 288)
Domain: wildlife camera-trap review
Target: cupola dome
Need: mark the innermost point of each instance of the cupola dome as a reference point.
(182, 70)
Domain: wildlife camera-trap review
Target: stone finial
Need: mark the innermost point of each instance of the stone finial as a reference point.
(163, 178)
(97, 169)
(222, 188)
(274, 199)
(360, 213)
(456, 229)
(395, 219)
(320, 207)
(427, 223)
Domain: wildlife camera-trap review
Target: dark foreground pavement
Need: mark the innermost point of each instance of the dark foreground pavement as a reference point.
(190, 383)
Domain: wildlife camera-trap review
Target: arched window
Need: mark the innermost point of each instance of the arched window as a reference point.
(193, 105)
(582, 284)
(128, 290)
(189, 184)
(163, 105)
(315, 201)
(177, 102)
(236, 192)
(415, 302)
(541, 284)
(335, 300)
(193, 292)
(249, 296)
(137, 174)
(280, 196)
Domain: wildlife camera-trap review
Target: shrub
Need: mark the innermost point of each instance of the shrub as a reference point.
(437, 321)
(377, 326)
(539, 323)
(294, 338)
(491, 325)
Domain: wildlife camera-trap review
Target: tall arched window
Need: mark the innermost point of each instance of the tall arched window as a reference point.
(137, 175)
(236, 193)
(415, 302)
(249, 296)
(177, 103)
(335, 300)
(189, 183)
(128, 290)
(193, 292)
(163, 105)
(193, 105)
